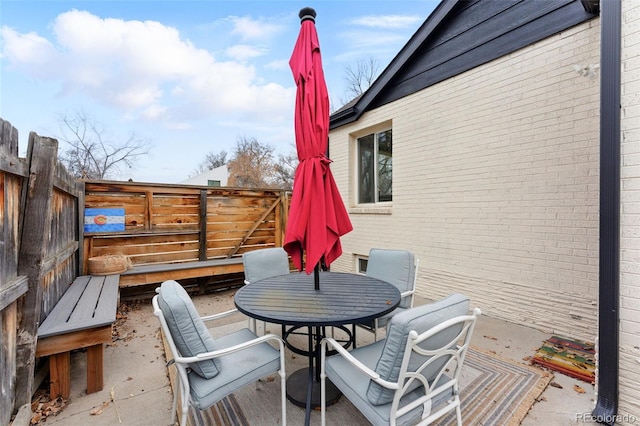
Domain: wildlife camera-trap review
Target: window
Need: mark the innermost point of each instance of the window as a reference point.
(213, 182)
(362, 264)
(375, 167)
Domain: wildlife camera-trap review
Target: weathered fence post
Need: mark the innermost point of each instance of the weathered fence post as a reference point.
(42, 155)
(13, 172)
(202, 250)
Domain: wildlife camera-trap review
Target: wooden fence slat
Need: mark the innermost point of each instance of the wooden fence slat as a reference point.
(13, 171)
(253, 228)
(203, 225)
(8, 327)
(11, 290)
(41, 154)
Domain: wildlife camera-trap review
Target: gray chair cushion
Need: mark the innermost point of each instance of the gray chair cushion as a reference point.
(420, 319)
(237, 369)
(393, 266)
(384, 320)
(265, 263)
(189, 333)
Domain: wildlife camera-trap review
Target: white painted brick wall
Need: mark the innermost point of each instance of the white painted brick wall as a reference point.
(495, 185)
(629, 395)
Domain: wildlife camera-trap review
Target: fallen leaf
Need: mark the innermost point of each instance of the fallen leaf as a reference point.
(99, 409)
(490, 337)
(53, 411)
(578, 389)
(555, 385)
(526, 358)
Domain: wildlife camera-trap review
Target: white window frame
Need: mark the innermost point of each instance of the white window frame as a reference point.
(375, 131)
(361, 261)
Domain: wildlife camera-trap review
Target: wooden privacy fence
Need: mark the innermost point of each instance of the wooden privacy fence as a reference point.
(176, 231)
(51, 224)
(39, 254)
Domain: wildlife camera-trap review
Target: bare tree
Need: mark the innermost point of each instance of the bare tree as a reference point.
(285, 169)
(210, 162)
(359, 78)
(252, 164)
(91, 153)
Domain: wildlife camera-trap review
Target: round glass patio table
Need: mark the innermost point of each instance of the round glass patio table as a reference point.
(292, 300)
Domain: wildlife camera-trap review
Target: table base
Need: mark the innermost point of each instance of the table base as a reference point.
(346, 342)
(297, 385)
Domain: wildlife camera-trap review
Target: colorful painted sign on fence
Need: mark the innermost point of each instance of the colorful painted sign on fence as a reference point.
(103, 220)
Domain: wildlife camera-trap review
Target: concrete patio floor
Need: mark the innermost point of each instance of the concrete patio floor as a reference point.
(137, 392)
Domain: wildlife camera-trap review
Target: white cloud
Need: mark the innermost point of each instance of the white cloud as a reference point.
(254, 29)
(389, 22)
(153, 112)
(378, 44)
(376, 36)
(27, 48)
(242, 52)
(282, 64)
(368, 40)
(146, 69)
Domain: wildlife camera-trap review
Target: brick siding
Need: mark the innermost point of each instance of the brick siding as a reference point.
(495, 185)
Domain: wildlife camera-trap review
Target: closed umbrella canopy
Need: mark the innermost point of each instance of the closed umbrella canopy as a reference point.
(317, 216)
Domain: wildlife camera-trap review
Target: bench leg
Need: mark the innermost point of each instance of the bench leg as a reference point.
(94, 368)
(60, 375)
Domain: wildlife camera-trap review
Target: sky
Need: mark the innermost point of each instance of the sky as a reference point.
(189, 77)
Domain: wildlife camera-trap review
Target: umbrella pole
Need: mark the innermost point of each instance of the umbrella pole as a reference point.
(316, 276)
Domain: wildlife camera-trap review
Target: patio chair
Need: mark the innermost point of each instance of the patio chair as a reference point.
(209, 369)
(261, 264)
(398, 267)
(410, 377)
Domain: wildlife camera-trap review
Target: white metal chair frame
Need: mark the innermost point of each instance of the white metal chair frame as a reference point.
(182, 363)
(454, 350)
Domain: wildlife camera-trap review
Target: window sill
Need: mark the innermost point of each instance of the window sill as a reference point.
(384, 210)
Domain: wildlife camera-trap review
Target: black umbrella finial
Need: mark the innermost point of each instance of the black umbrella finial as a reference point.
(307, 13)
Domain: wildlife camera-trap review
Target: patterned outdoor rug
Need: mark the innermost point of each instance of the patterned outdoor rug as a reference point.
(573, 358)
(495, 391)
(225, 412)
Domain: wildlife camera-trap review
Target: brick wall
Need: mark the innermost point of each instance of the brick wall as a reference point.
(495, 185)
(630, 214)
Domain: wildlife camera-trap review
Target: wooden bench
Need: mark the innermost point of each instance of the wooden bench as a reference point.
(159, 272)
(82, 318)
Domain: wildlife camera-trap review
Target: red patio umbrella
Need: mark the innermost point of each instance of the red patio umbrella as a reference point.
(317, 216)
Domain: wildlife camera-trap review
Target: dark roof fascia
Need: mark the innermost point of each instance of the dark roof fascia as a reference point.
(532, 21)
(375, 97)
(591, 6)
(350, 114)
